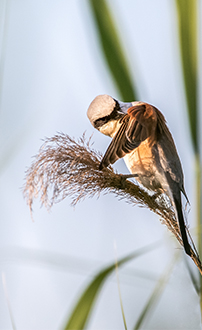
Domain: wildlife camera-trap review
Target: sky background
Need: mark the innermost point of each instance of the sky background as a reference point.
(51, 69)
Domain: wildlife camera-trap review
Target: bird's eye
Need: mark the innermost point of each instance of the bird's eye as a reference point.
(101, 121)
(113, 116)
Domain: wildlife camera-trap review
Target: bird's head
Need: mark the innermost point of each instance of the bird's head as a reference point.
(105, 112)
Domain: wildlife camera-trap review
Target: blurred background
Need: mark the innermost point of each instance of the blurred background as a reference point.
(52, 67)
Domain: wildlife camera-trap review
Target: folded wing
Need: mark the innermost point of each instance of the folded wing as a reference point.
(136, 126)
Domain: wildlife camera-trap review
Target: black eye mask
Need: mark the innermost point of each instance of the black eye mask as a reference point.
(114, 115)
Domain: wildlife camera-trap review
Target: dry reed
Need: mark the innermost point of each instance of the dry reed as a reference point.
(64, 167)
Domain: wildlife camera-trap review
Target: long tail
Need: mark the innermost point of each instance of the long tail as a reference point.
(178, 205)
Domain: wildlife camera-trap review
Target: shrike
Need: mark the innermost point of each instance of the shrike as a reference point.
(140, 135)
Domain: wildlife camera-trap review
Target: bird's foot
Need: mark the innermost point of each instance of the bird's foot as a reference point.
(124, 177)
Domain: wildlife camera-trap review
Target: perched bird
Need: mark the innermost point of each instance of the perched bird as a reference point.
(140, 135)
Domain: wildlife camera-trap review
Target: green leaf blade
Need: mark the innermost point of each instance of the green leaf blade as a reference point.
(112, 49)
(83, 308)
(156, 294)
(187, 29)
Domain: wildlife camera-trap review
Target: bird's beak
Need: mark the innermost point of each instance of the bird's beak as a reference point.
(124, 106)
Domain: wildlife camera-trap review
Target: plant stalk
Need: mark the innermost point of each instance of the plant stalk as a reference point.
(199, 214)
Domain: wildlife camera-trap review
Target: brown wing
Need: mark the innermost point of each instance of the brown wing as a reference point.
(137, 125)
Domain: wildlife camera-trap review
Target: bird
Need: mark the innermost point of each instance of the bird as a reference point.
(142, 138)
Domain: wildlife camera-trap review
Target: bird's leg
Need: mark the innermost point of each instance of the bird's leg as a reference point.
(124, 177)
(127, 176)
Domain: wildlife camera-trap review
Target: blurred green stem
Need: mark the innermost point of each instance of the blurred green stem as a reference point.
(199, 213)
(188, 37)
(112, 49)
(188, 23)
(198, 201)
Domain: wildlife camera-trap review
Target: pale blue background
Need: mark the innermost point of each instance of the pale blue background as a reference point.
(51, 69)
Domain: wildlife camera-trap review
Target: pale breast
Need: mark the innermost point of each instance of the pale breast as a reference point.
(142, 161)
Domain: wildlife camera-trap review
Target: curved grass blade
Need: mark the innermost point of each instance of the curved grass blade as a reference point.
(83, 308)
(8, 301)
(187, 27)
(119, 289)
(112, 49)
(193, 278)
(158, 290)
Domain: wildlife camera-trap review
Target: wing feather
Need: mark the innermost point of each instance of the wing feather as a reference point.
(114, 151)
(135, 128)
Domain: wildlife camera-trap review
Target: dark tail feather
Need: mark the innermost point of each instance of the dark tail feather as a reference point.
(178, 205)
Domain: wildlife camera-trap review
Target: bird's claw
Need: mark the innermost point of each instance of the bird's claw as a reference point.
(124, 177)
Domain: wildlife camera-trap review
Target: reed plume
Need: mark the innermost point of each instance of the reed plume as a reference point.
(65, 167)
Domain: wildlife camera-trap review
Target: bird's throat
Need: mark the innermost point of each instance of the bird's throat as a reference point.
(110, 128)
